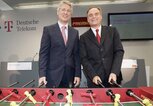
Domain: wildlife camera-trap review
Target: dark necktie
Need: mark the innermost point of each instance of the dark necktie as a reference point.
(98, 36)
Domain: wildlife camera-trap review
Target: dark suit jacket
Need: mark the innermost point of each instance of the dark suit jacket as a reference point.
(101, 59)
(55, 57)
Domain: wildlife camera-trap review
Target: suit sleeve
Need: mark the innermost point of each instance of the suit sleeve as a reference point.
(118, 53)
(44, 53)
(87, 67)
(77, 57)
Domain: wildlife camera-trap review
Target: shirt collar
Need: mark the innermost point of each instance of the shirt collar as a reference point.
(94, 30)
(60, 25)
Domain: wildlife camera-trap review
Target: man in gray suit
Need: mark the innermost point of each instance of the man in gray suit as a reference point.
(101, 52)
(59, 61)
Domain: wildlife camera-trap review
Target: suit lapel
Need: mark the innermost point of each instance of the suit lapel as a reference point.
(70, 33)
(68, 37)
(103, 34)
(92, 37)
(58, 33)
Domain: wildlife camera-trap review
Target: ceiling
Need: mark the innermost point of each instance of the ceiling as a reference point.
(14, 4)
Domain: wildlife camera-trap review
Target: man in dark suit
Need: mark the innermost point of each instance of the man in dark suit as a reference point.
(59, 61)
(101, 52)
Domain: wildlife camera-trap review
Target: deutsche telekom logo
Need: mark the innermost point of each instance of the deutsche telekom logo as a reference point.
(19, 25)
(8, 25)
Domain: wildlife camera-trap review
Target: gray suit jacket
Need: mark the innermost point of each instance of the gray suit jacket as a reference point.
(101, 59)
(55, 57)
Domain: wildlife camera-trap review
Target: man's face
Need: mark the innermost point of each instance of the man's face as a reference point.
(64, 13)
(94, 17)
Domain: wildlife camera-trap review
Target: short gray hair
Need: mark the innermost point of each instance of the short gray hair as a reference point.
(65, 2)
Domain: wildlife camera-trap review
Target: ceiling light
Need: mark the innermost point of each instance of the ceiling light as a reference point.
(93, 3)
(127, 1)
(32, 5)
(109, 2)
(55, 4)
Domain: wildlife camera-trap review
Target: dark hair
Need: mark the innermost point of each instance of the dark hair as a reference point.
(94, 7)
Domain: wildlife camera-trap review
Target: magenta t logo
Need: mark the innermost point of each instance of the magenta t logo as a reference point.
(8, 25)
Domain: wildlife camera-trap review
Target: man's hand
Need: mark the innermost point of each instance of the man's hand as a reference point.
(96, 80)
(113, 77)
(76, 81)
(42, 80)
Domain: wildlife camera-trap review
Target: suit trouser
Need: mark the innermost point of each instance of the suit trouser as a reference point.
(65, 82)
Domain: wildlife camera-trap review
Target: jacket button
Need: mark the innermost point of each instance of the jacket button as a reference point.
(101, 49)
(102, 59)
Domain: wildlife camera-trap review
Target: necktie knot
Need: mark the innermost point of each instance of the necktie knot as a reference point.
(97, 30)
(63, 27)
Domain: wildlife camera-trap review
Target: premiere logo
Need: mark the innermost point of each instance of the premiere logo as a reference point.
(8, 25)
